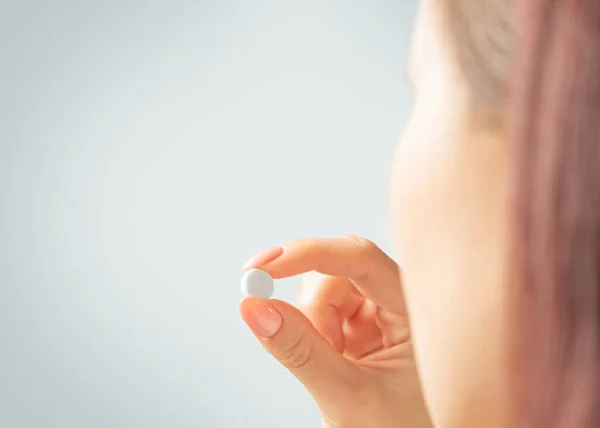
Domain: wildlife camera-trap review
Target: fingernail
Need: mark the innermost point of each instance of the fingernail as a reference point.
(262, 318)
(263, 258)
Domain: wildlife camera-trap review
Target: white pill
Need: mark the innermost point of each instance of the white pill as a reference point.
(257, 282)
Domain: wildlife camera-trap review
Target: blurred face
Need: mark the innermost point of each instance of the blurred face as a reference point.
(448, 202)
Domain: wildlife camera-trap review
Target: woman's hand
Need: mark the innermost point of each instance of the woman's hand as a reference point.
(349, 344)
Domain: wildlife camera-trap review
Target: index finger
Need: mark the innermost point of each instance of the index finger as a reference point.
(374, 274)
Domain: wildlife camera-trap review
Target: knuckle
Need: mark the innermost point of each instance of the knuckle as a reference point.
(349, 237)
(303, 298)
(298, 354)
(308, 289)
(362, 244)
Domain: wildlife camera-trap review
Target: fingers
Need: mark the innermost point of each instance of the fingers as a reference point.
(327, 301)
(290, 337)
(369, 269)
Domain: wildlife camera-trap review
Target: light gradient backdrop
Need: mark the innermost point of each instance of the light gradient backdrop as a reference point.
(147, 148)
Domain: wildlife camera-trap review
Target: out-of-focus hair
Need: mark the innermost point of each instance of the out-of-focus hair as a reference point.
(534, 66)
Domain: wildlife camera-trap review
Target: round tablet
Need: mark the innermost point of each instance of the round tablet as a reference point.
(257, 282)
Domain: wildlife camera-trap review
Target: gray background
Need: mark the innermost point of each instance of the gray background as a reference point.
(147, 148)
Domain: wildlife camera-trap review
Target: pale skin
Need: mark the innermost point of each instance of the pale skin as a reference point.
(418, 343)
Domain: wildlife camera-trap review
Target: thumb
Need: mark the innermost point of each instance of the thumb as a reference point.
(290, 337)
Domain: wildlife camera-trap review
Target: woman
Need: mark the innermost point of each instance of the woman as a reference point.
(495, 196)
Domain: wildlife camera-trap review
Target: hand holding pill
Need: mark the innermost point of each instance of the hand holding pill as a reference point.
(350, 328)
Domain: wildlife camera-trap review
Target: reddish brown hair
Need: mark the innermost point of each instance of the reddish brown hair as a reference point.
(535, 65)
